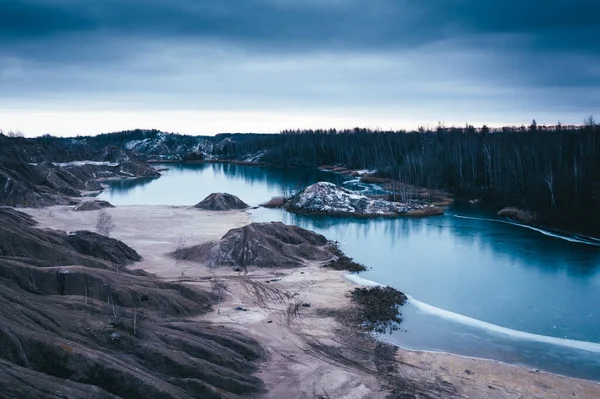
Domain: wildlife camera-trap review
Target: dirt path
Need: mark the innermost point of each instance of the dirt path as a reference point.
(293, 333)
(309, 354)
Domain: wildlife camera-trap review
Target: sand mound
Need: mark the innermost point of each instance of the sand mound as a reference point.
(261, 245)
(221, 202)
(75, 331)
(92, 205)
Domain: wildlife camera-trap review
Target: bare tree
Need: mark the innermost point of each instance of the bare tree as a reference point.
(32, 284)
(590, 122)
(113, 306)
(180, 259)
(85, 288)
(104, 223)
(135, 314)
(288, 192)
(15, 134)
(244, 250)
(219, 288)
(403, 191)
(549, 180)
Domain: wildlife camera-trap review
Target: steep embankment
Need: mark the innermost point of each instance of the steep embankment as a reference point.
(73, 324)
(36, 174)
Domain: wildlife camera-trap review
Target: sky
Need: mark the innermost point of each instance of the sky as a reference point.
(71, 67)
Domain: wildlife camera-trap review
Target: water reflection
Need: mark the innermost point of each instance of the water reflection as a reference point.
(124, 186)
(189, 184)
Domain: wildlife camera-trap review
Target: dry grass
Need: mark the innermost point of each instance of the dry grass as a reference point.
(411, 193)
(520, 215)
(275, 202)
(427, 211)
(342, 170)
(372, 179)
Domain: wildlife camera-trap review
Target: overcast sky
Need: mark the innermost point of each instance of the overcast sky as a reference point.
(207, 66)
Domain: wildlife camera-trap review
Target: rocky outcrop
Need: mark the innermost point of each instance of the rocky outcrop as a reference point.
(92, 205)
(221, 202)
(328, 199)
(22, 184)
(261, 245)
(76, 331)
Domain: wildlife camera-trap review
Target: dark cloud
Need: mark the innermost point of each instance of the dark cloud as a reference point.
(234, 50)
(285, 24)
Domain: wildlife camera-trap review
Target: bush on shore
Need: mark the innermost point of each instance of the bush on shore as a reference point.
(379, 307)
(520, 215)
(342, 261)
(275, 202)
(426, 211)
(372, 179)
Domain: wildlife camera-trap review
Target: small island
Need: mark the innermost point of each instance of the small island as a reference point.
(325, 198)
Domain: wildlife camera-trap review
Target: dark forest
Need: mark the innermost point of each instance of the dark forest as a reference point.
(553, 171)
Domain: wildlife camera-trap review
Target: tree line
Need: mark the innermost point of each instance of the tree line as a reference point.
(552, 171)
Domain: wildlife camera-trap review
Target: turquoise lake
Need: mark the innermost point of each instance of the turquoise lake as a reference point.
(478, 286)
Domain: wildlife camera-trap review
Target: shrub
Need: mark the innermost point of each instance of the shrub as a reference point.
(104, 223)
(520, 215)
(379, 307)
(426, 211)
(275, 202)
(342, 261)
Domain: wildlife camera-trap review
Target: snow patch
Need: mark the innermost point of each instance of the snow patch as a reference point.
(355, 279)
(134, 143)
(126, 173)
(253, 157)
(83, 163)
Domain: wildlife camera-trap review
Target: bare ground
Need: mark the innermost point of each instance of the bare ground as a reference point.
(310, 353)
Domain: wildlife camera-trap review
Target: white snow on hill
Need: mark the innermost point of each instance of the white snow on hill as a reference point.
(82, 163)
(327, 198)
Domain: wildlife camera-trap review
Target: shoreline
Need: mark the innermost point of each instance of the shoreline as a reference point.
(196, 162)
(362, 282)
(494, 361)
(445, 202)
(293, 338)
